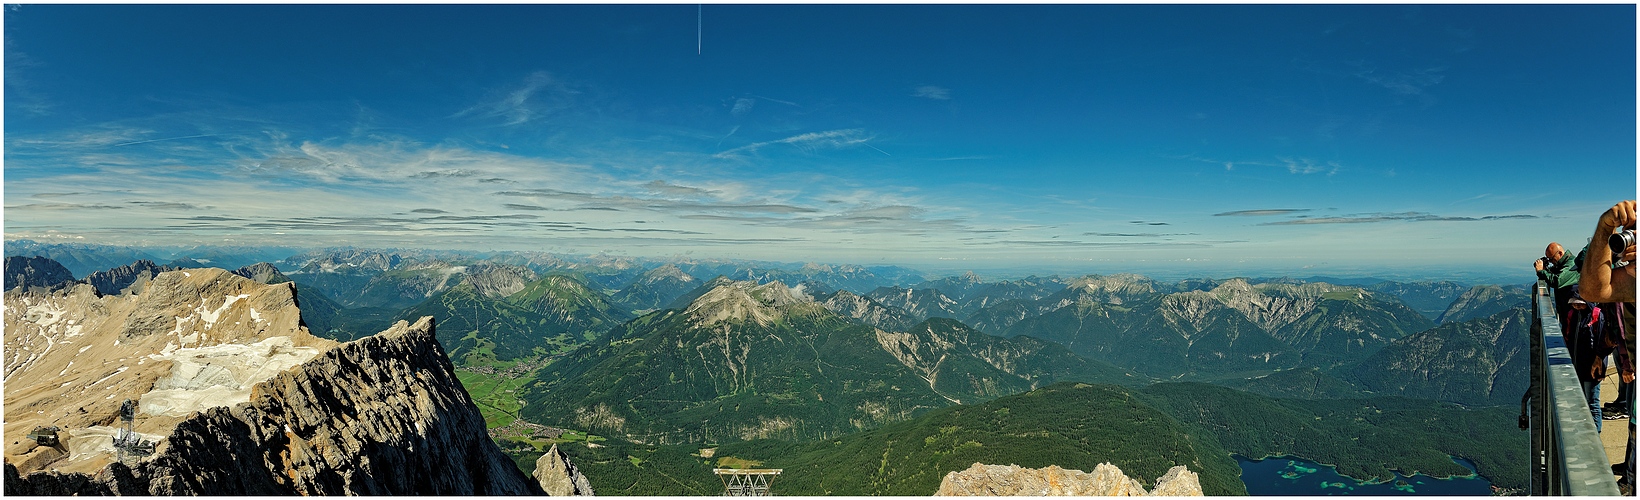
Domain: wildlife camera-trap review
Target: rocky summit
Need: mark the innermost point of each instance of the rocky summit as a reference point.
(1105, 480)
(236, 397)
(35, 272)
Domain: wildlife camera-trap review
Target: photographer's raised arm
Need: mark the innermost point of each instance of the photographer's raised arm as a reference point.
(1599, 282)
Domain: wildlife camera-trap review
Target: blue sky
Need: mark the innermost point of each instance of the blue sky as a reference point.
(1343, 140)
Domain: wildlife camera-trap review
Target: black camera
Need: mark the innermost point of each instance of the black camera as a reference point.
(1619, 243)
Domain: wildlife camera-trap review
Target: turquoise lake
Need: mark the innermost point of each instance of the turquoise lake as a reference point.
(1285, 475)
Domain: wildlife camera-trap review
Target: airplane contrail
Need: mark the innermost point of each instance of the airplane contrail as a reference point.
(165, 139)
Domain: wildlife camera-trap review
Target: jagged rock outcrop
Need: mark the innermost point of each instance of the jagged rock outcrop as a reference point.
(1105, 480)
(31, 272)
(263, 272)
(240, 399)
(558, 477)
(116, 280)
(378, 416)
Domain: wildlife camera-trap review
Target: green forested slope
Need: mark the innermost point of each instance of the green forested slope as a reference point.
(1072, 425)
(552, 314)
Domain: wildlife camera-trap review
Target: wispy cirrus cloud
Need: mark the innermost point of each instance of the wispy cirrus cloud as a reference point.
(810, 141)
(665, 205)
(667, 188)
(742, 106)
(1393, 217)
(932, 92)
(1261, 213)
(1136, 235)
(1302, 166)
(96, 138)
(1308, 166)
(539, 94)
(21, 91)
(1410, 83)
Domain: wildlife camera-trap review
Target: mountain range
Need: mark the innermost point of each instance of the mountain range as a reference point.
(837, 364)
(747, 361)
(494, 314)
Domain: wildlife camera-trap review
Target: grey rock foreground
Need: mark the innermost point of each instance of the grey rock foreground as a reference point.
(383, 415)
(558, 477)
(1105, 480)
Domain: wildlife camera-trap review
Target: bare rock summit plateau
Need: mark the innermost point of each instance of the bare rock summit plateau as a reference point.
(237, 397)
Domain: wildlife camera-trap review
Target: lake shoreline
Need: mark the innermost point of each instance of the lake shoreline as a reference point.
(1474, 472)
(1297, 475)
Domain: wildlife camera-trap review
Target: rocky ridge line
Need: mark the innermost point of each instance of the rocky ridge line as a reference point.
(381, 415)
(1105, 480)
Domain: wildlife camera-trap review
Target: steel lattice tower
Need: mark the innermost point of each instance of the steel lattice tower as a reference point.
(746, 482)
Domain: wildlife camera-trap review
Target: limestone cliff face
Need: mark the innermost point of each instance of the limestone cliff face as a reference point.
(237, 395)
(1105, 480)
(380, 415)
(383, 415)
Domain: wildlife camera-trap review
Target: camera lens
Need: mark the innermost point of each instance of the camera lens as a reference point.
(1620, 241)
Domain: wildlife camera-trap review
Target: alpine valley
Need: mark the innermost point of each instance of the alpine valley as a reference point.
(639, 376)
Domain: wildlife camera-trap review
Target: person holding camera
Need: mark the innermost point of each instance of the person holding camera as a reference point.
(1608, 276)
(1560, 270)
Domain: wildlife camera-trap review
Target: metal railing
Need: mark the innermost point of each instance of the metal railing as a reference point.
(1567, 455)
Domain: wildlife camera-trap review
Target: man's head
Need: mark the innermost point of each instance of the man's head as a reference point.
(1555, 252)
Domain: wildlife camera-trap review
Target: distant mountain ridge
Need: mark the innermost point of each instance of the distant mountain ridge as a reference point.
(1485, 300)
(1482, 361)
(79, 259)
(35, 272)
(743, 360)
(656, 288)
(919, 303)
(550, 314)
(1235, 326)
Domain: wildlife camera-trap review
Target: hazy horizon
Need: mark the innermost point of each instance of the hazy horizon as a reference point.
(1198, 140)
(1165, 271)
